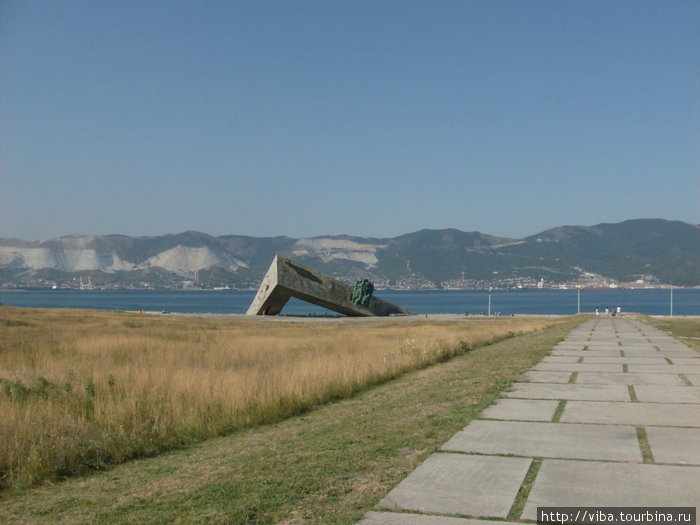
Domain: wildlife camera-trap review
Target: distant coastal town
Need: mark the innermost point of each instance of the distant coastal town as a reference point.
(168, 281)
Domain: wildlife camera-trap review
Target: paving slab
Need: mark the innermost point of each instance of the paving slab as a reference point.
(680, 349)
(460, 484)
(605, 412)
(673, 343)
(637, 342)
(551, 440)
(663, 369)
(560, 359)
(580, 367)
(404, 518)
(587, 353)
(626, 360)
(692, 361)
(612, 378)
(589, 392)
(693, 378)
(667, 341)
(521, 409)
(673, 346)
(534, 376)
(674, 445)
(673, 354)
(572, 344)
(667, 394)
(562, 483)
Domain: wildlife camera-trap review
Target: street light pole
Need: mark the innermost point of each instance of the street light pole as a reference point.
(489, 301)
(579, 300)
(671, 299)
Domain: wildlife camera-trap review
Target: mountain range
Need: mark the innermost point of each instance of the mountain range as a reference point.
(648, 251)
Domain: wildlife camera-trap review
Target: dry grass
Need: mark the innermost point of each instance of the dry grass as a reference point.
(83, 389)
(685, 329)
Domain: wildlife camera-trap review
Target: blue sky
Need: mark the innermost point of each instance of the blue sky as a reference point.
(369, 118)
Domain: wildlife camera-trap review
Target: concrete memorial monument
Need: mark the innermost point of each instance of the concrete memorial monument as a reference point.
(287, 278)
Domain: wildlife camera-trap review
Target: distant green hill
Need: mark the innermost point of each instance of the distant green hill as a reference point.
(669, 250)
(652, 250)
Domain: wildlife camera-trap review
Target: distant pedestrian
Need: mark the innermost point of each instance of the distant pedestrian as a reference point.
(597, 313)
(607, 312)
(619, 311)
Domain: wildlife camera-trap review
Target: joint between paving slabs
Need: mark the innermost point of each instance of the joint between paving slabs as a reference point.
(644, 446)
(632, 393)
(524, 492)
(559, 411)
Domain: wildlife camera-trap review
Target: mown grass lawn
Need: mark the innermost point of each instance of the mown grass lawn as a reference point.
(329, 465)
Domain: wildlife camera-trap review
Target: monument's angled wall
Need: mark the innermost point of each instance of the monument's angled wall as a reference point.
(287, 278)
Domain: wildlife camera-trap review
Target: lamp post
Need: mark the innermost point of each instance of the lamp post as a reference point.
(489, 301)
(579, 299)
(671, 299)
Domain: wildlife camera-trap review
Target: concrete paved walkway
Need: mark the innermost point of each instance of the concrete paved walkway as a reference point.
(610, 418)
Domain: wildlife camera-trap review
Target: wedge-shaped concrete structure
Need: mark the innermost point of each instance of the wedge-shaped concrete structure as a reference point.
(286, 279)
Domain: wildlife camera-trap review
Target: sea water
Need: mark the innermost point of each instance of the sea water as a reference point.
(685, 301)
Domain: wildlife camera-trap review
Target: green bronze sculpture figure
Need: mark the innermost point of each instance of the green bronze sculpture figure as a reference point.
(362, 292)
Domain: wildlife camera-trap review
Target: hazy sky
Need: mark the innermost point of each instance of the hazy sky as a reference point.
(370, 118)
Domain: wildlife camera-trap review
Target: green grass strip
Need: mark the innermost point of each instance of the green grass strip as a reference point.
(559, 411)
(632, 393)
(644, 446)
(519, 504)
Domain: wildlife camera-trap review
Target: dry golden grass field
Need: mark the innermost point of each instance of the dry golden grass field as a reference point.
(80, 390)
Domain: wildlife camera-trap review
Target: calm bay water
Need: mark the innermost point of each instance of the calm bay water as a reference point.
(562, 302)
